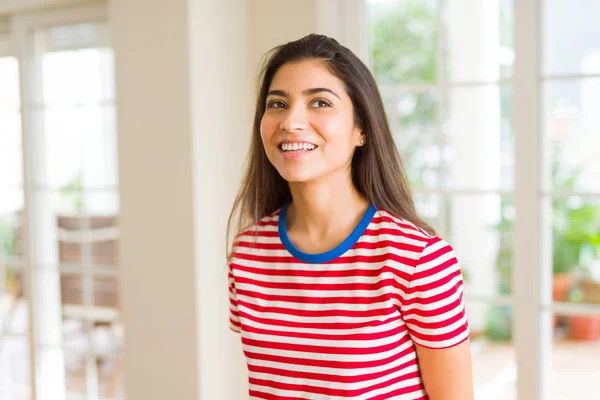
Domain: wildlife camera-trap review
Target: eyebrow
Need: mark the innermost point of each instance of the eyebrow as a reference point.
(306, 92)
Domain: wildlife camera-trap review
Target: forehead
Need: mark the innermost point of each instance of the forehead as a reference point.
(299, 76)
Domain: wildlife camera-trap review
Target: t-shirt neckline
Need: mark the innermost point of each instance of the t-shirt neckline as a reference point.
(328, 255)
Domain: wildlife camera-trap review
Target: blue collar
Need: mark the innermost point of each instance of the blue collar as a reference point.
(328, 255)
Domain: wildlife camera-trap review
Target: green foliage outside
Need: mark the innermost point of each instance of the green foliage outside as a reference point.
(403, 49)
(402, 43)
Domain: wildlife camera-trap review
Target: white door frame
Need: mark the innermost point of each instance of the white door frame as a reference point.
(23, 26)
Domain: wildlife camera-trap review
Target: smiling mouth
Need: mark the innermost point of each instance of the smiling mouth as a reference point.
(297, 147)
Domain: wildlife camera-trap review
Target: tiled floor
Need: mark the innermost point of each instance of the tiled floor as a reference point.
(575, 369)
(574, 372)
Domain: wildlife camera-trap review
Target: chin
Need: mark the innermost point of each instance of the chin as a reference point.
(297, 176)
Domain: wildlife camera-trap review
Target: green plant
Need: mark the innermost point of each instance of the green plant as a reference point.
(498, 323)
(7, 239)
(73, 191)
(575, 232)
(402, 42)
(9, 248)
(505, 251)
(575, 244)
(576, 235)
(576, 295)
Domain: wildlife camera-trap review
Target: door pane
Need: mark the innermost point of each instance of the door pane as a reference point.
(571, 37)
(110, 377)
(403, 40)
(494, 358)
(11, 149)
(576, 248)
(576, 279)
(75, 376)
(14, 368)
(74, 206)
(478, 47)
(412, 118)
(572, 136)
(478, 138)
(429, 208)
(575, 358)
(480, 227)
(14, 334)
(76, 121)
(11, 154)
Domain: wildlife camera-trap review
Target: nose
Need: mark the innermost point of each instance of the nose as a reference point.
(294, 121)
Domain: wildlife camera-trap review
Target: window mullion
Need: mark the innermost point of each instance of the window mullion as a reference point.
(22, 38)
(532, 334)
(442, 85)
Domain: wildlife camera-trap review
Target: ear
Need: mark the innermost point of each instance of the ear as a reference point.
(358, 136)
(362, 139)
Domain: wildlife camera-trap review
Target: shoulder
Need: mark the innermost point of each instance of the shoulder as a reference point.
(386, 223)
(264, 224)
(425, 245)
(264, 230)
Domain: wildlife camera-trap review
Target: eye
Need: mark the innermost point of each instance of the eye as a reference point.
(275, 104)
(320, 103)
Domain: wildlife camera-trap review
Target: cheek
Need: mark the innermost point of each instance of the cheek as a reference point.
(337, 132)
(268, 128)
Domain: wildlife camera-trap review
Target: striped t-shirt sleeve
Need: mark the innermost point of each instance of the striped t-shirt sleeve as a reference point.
(234, 315)
(433, 306)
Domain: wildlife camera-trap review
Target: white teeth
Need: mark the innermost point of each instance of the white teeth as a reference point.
(297, 146)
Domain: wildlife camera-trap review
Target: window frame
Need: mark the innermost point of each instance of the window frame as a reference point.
(23, 27)
(532, 235)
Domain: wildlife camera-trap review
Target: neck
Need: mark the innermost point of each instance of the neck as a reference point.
(321, 208)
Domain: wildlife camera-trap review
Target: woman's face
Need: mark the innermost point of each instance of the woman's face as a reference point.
(308, 128)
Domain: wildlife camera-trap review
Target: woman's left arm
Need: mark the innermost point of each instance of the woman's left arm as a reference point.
(434, 312)
(446, 373)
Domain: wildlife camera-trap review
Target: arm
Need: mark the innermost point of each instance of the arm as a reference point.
(434, 312)
(446, 373)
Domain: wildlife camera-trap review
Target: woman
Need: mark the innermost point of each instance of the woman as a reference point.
(339, 289)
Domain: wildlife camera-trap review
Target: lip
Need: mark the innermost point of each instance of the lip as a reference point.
(296, 155)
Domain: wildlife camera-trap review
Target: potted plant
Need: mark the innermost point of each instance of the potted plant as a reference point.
(576, 236)
(585, 327)
(11, 246)
(100, 249)
(576, 233)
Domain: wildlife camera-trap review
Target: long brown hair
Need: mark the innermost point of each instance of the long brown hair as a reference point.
(377, 170)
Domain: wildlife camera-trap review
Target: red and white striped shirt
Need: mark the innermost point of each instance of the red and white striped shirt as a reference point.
(343, 324)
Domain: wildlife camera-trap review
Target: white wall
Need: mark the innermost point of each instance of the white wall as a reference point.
(186, 74)
(223, 75)
(221, 107)
(157, 244)
(8, 7)
(272, 23)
